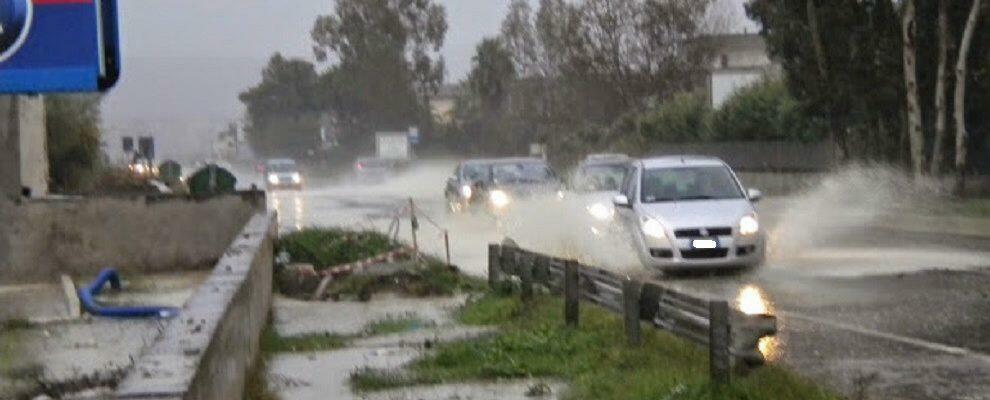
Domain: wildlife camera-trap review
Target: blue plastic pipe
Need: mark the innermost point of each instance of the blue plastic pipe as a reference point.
(87, 296)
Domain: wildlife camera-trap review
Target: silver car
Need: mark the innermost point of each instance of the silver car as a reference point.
(690, 213)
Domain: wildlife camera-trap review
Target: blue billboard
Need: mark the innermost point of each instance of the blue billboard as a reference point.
(58, 46)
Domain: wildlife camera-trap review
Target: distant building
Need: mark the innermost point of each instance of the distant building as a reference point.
(442, 105)
(741, 59)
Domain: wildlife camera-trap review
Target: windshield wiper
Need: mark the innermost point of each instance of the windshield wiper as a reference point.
(697, 198)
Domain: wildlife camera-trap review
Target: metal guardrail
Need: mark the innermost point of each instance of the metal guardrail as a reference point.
(731, 336)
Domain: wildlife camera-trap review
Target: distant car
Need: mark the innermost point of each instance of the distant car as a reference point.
(283, 174)
(494, 184)
(594, 182)
(142, 167)
(690, 213)
(372, 170)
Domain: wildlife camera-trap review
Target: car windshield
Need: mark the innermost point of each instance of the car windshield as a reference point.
(599, 178)
(282, 167)
(521, 173)
(477, 172)
(689, 183)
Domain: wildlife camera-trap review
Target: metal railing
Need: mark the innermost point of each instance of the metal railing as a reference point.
(731, 336)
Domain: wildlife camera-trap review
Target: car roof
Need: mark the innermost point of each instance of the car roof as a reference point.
(281, 161)
(508, 160)
(682, 161)
(605, 157)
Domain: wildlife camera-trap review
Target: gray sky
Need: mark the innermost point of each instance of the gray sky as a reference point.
(185, 61)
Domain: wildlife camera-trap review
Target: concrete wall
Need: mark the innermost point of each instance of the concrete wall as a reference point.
(206, 352)
(81, 236)
(10, 150)
(34, 145)
(23, 149)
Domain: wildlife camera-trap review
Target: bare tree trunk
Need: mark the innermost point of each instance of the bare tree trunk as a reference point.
(835, 129)
(941, 110)
(915, 137)
(816, 39)
(960, 98)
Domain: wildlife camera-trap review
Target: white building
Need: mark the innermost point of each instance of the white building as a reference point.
(740, 60)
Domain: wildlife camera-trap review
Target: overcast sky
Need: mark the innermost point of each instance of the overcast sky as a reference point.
(185, 61)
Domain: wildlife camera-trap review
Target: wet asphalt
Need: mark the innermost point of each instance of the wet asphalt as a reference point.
(870, 312)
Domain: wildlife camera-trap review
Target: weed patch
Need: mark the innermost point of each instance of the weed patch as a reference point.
(325, 248)
(594, 359)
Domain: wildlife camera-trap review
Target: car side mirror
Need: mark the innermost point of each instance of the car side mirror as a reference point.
(621, 201)
(754, 195)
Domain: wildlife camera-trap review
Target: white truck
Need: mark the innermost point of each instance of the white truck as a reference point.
(393, 146)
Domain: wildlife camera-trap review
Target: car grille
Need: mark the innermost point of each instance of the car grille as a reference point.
(695, 254)
(662, 253)
(695, 233)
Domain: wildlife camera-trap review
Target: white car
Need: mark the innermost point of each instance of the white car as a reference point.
(690, 213)
(594, 183)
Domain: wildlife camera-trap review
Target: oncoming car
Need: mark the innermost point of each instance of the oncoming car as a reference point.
(494, 184)
(372, 170)
(690, 213)
(594, 183)
(283, 174)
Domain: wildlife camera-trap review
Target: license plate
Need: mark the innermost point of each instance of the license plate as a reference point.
(704, 244)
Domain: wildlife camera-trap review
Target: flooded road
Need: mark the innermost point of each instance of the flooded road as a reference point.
(868, 308)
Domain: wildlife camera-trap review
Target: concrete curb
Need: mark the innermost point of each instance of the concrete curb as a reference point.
(206, 351)
(939, 224)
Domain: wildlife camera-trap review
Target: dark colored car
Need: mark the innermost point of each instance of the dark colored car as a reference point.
(494, 184)
(372, 170)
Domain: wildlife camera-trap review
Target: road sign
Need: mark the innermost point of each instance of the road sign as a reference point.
(58, 46)
(413, 135)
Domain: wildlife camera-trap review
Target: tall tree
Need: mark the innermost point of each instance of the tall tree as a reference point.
(519, 38)
(960, 94)
(283, 111)
(941, 109)
(492, 75)
(367, 32)
(910, 50)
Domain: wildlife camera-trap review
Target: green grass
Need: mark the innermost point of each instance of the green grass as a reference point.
(272, 342)
(967, 208)
(392, 325)
(594, 359)
(328, 247)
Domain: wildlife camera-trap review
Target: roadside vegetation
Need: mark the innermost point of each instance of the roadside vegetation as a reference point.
(593, 359)
(978, 208)
(328, 247)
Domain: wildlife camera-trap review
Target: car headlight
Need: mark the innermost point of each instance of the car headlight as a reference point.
(749, 225)
(560, 195)
(273, 179)
(499, 199)
(653, 228)
(466, 192)
(296, 177)
(601, 211)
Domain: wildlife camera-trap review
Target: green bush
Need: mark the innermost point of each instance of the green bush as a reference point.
(763, 111)
(683, 118)
(326, 248)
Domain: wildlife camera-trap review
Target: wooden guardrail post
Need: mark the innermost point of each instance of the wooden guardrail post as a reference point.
(631, 311)
(494, 268)
(718, 342)
(572, 293)
(525, 266)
